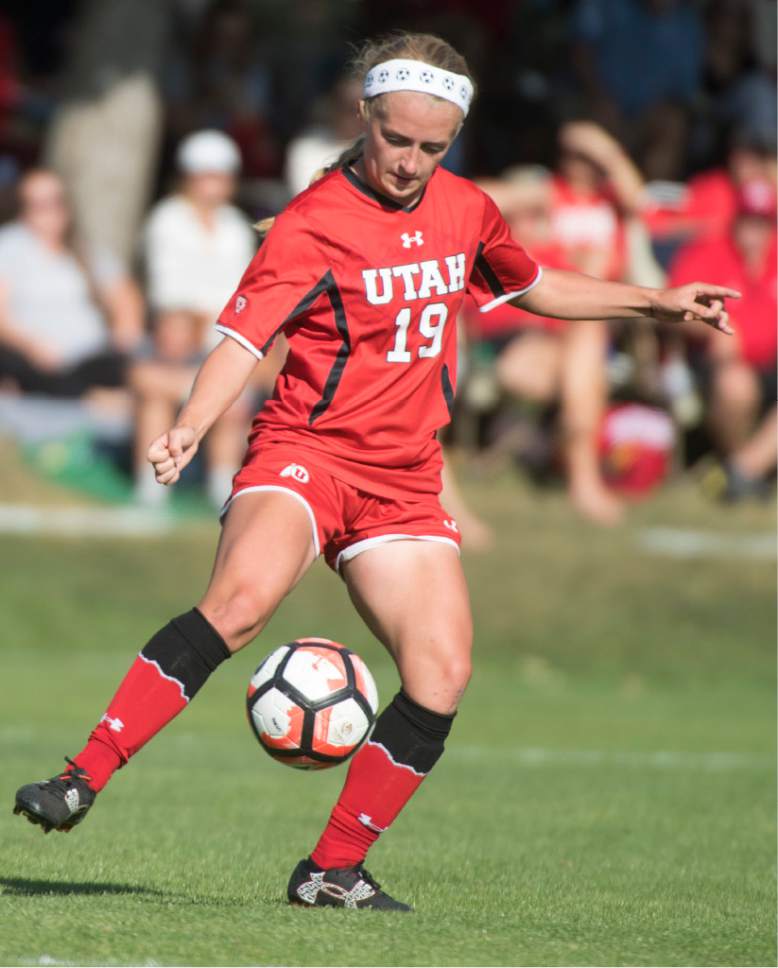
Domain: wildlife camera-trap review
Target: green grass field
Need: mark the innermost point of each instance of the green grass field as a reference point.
(607, 798)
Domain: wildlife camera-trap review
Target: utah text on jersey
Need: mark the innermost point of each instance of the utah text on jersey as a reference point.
(419, 279)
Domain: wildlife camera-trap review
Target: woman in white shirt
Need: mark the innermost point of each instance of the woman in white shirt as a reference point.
(67, 318)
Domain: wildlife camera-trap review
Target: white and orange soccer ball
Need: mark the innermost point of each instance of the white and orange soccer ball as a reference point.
(311, 703)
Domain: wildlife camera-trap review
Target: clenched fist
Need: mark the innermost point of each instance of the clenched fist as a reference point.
(171, 452)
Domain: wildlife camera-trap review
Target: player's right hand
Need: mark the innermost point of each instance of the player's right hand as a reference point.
(171, 452)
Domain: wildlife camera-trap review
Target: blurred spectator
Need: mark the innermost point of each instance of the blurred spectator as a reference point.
(740, 372)
(547, 360)
(705, 207)
(105, 127)
(595, 188)
(319, 145)
(598, 192)
(196, 247)
(639, 63)
(738, 81)
(218, 79)
(56, 299)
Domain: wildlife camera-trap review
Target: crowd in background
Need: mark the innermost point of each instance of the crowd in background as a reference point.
(632, 140)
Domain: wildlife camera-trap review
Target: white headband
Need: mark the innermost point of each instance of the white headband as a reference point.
(413, 75)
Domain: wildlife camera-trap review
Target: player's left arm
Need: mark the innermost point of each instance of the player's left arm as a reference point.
(572, 295)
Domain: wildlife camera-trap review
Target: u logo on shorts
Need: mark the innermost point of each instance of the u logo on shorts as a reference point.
(297, 472)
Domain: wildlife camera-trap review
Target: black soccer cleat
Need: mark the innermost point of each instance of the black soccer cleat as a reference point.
(59, 803)
(346, 887)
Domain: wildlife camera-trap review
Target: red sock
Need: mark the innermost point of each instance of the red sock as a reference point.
(406, 743)
(164, 677)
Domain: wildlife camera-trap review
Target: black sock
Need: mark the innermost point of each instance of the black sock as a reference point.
(412, 735)
(187, 649)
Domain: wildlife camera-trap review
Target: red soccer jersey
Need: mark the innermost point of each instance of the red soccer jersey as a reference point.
(506, 320)
(367, 292)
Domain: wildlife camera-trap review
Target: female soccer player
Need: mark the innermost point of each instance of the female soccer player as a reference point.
(364, 273)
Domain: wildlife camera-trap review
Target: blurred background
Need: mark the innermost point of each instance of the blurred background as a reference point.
(631, 139)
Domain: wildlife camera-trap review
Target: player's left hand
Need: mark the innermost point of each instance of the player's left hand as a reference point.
(695, 302)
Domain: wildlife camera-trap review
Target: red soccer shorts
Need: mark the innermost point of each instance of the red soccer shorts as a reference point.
(345, 520)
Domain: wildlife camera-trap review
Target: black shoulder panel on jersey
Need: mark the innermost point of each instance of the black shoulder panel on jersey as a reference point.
(305, 303)
(482, 265)
(448, 390)
(333, 293)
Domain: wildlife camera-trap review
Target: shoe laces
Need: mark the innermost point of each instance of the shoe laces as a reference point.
(74, 772)
(367, 876)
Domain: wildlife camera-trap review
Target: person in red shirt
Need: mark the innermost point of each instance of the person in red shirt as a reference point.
(596, 187)
(705, 206)
(740, 373)
(364, 273)
(542, 359)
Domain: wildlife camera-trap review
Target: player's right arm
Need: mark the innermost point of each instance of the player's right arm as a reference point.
(219, 382)
(285, 276)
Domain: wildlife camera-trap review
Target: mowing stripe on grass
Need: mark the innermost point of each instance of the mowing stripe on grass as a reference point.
(656, 759)
(680, 543)
(47, 960)
(542, 756)
(79, 522)
(537, 755)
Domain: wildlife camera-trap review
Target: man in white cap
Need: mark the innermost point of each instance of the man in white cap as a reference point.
(195, 247)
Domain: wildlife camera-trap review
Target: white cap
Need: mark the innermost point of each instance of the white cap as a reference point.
(208, 151)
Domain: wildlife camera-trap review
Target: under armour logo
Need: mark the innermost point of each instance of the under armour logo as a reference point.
(297, 472)
(363, 818)
(408, 240)
(115, 725)
(451, 524)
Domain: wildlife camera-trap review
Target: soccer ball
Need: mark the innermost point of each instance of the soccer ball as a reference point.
(311, 703)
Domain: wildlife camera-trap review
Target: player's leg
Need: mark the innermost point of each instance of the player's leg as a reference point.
(265, 547)
(412, 595)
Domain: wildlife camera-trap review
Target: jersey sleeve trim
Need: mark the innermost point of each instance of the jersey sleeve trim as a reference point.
(239, 338)
(488, 307)
(489, 275)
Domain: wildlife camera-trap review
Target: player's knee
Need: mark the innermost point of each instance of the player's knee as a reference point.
(239, 616)
(453, 670)
(457, 676)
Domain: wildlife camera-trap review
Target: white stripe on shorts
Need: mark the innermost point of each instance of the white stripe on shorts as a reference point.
(283, 490)
(367, 543)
